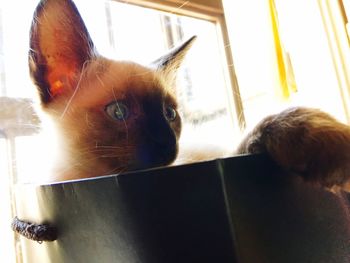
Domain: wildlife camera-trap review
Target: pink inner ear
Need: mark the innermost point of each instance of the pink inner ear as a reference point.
(60, 45)
(61, 77)
(61, 54)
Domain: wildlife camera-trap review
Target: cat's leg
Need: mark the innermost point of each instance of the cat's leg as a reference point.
(306, 141)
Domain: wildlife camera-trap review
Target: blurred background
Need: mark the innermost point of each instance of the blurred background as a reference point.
(252, 58)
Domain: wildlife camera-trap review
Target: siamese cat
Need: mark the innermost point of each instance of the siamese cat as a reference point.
(116, 116)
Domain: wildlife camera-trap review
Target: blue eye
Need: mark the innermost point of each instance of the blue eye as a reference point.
(170, 113)
(117, 110)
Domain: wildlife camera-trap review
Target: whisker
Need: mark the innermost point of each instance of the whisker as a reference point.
(179, 7)
(76, 90)
(125, 124)
(103, 151)
(118, 170)
(110, 156)
(111, 147)
(114, 95)
(100, 80)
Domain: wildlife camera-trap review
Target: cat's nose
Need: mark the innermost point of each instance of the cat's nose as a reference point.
(162, 137)
(159, 148)
(159, 130)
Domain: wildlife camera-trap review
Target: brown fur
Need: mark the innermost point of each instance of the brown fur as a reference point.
(306, 141)
(98, 144)
(76, 86)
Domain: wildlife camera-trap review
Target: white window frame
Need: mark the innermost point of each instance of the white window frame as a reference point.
(334, 15)
(215, 14)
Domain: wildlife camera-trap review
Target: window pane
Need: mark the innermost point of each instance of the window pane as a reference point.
(30, 155)
(202, 87)
(7, 248)
(14, 47)
(117, 33)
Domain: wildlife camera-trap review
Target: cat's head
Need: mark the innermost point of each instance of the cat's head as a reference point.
(112, 116)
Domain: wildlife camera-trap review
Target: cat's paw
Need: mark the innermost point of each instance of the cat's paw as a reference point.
(306, 141)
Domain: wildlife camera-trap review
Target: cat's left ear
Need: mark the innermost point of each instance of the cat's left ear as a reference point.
(171, 62)
(60, 45)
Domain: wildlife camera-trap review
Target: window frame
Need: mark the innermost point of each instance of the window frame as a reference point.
(335, 22)
(213, 13)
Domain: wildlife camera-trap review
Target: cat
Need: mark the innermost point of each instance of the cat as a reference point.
(117, 116)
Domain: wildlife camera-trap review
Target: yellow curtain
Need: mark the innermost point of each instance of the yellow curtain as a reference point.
(285, 71)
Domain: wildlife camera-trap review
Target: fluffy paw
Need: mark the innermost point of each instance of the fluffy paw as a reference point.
(306, 141)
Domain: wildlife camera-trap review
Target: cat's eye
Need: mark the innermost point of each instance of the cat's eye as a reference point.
(117, 110)
(170, 113)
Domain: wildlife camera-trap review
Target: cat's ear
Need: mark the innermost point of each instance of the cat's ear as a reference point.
(59, 46)
(171, 62)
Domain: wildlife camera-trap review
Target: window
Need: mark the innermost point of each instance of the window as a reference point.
(161, 31)
(315, 48)
(7, 238)
(313, 37)
(334, 16)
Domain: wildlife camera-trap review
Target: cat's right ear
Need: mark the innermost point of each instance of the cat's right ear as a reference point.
(169, 63)
(59, 46)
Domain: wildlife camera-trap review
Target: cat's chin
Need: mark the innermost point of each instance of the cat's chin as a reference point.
(192, 153)
(149, 165)
(151, 156)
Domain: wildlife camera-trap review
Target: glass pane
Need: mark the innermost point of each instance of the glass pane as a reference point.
(2, 57)
(15, 38)
(7, 248)
(202, 87)
(118, 34)
(29, 157)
